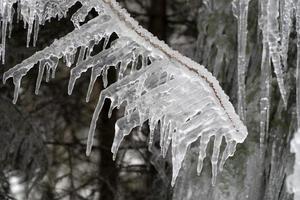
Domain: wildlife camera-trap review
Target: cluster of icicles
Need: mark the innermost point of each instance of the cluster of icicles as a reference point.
(35, 13)
(155, 84)
(275, 23)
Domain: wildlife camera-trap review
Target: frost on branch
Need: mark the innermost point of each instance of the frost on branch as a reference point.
(155, 85)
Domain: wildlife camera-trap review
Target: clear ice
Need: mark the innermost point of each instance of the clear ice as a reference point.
(168, 89)
(240, 10)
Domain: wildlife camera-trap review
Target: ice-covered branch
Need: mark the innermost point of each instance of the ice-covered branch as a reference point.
(95, 30)
(167, 95)
(35, 12)
(155, 84)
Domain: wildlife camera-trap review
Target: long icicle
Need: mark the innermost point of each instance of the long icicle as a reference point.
(265, 73)
(274, 47)
(240, 9)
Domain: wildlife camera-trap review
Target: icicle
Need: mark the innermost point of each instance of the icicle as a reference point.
(162, 133)
(166, 138)
(17, 83)
(40, 76)
(215, 158)
(48, 73)
(69, 58)
(202, 151)
(36, 31)
(274, 48)
(104, 77)
(29, 31)
(240, 8)
(4, 32)
(152, 125)
(92, 129)
(91, 86)
(120, 50)
(265, 73)
(113, 105)
(229, 150)
(17, 78)
(123, 129)
(54, 66)
(179, 150)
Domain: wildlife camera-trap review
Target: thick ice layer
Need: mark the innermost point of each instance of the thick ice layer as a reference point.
(174, 91)
(240, 9)
(293, 180)
(185, 106)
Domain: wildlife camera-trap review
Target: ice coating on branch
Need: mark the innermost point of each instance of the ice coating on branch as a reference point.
(293, 181)
(123, 51)
(154, 94)
(66, 47)
(173, 91)
(36, 12)
(240, 10)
